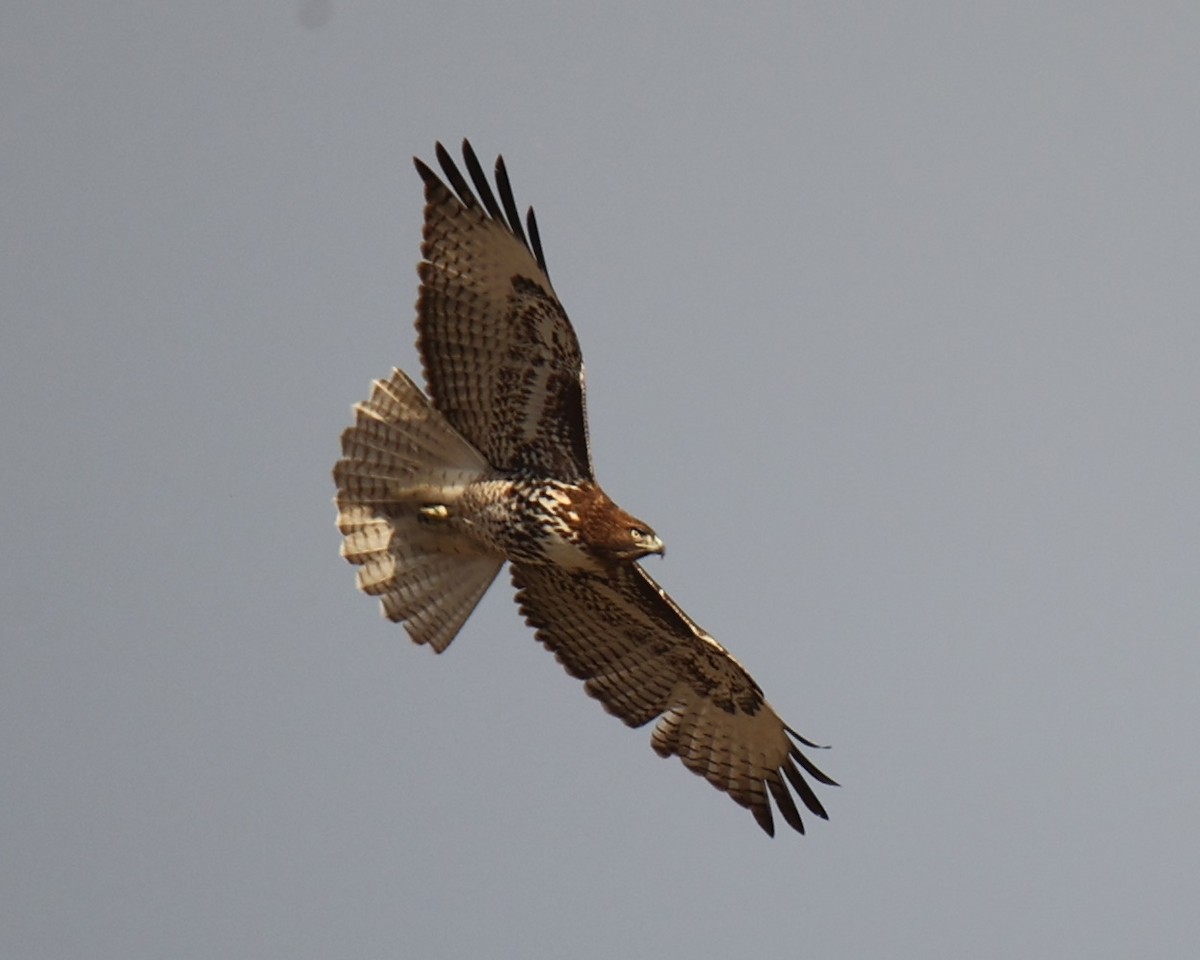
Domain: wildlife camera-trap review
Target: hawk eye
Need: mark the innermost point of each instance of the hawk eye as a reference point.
(637, 533)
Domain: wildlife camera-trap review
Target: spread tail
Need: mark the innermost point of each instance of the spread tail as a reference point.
(402, 463)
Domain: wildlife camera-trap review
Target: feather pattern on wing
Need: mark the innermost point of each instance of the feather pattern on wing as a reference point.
(502, 362)
(642, 657)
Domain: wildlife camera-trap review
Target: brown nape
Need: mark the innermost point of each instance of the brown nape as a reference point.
(610, 532)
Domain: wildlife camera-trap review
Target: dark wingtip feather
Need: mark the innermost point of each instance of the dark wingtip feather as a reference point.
(801, 786)
(535, 241)
(454, 175)
(762, 813)
(482, 187)
(783, 800)
(804, 740)
(812, 769)
(510, 204)
(431, 179)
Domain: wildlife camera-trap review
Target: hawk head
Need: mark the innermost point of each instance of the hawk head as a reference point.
(626, 538)
(604, 530)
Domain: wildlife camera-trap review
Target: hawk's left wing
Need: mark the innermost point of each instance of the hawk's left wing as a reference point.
(642, 657)
(502, 362)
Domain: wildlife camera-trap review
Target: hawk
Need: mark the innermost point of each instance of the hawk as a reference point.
(437, 491)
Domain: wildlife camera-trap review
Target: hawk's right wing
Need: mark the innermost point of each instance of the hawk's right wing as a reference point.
(643, 657)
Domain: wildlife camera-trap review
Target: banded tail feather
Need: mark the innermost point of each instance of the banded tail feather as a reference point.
(403, 467)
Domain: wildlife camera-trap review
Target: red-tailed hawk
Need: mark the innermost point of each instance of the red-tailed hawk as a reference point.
(436, 492)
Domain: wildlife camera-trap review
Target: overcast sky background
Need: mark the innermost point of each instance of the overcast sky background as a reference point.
(892, 322)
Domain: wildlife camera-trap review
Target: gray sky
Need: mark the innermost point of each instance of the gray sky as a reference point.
(892, 329)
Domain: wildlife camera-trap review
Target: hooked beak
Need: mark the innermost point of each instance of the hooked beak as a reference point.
(655, 545)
